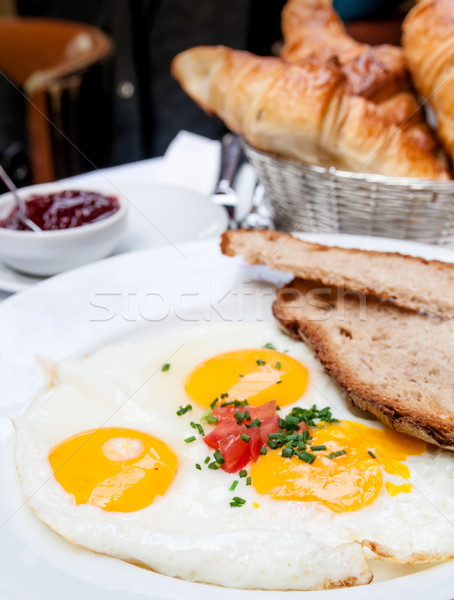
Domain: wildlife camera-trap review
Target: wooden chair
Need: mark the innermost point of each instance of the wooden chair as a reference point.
(47, 60)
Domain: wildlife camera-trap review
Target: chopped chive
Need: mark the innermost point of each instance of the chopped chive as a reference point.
(279, 381)
(287, 452)
(278, 407)
(212, 420)
(245, 437)
(190, 439)
(240, 375)
(239, 416)
(260, 362)
(306, 456)
(198, 427)
(197, 466)
(248, 481)
(165, 367)
(214, 465)
(219, 458)
(272, 444)
(277, 366)
(237, 502)
(371, 453)
(315, 448)
(215, 401)
(231, 403)
(233, 486)
(305, 435)
(255, 423)
(224, 396)
(207, 460)
(184, 409)
(242, 473)
(263, 450)
(269, 346)
(336, 454)
(247, 415)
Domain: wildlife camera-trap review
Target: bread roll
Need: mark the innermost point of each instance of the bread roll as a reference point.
(428, 41)
(312, 29)
(299, 111)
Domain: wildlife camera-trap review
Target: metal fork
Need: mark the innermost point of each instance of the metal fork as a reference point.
(223, 192)
(259, 216)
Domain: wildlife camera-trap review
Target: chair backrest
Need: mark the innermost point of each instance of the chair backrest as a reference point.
(47, 59)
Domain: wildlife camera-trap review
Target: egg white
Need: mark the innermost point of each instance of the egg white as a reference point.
(192, 531)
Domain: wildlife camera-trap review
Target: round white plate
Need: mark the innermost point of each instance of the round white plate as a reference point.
(159, 215)
(134, 296)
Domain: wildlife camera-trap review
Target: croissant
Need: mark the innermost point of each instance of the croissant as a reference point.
(312, 28)
(428, 42)
(299, 111)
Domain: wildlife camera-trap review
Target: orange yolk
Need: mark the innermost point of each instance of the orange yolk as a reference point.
(114, 469)
(344, 483)
(257, 376)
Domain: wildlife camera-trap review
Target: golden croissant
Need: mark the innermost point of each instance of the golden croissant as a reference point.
(300, 112)
(312, 29)
(428, 41)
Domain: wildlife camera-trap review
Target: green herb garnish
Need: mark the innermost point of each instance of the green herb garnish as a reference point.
(336, 454)
(236, 502)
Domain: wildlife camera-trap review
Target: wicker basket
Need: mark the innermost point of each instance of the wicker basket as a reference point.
(314, 199)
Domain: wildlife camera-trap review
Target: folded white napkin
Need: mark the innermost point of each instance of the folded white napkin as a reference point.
(191, 161)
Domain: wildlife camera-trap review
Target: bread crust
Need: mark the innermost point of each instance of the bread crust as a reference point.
(386, 275)
(404, 414)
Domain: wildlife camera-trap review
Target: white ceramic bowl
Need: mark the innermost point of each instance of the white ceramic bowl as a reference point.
(52, 252)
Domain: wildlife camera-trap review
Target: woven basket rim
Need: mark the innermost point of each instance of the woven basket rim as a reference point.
(331, 173)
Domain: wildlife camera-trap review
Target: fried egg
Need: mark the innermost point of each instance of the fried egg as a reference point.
(112, 456)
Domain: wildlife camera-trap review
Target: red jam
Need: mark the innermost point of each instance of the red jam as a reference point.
(63, 210)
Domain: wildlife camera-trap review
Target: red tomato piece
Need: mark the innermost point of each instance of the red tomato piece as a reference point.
(224, 412)
(269, 426)
(266, 411)
(235, 451)
(221, 431)
(255, 442)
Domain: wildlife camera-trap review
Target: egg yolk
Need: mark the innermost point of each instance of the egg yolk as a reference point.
(257, 376)
(345, 482)
(115, 469)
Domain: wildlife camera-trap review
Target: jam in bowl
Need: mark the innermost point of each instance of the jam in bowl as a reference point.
(62, 210)
(78, 227)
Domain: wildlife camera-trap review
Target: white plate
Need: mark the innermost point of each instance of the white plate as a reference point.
(159, 215)
(133, 296)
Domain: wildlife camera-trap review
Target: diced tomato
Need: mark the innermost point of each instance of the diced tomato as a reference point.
(269, 426)
(221, 431)
(266, 411)
(255, 442)
(235, 451)
(226, 436)
(224, 412)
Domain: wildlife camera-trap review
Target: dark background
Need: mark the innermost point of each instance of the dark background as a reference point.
(130, 107)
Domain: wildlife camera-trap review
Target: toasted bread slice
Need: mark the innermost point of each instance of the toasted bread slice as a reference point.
(410, 282)
(394, 363)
